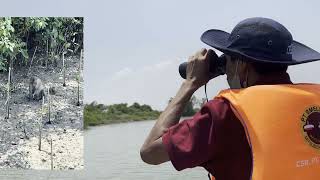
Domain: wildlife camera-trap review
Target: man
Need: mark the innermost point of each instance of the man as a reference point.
(264, 127)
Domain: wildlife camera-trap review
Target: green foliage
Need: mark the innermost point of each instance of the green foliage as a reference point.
(10, 44)
(2, 65)
(52, 35)
(95, 114)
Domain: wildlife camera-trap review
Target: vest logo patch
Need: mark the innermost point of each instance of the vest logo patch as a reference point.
(310, 123)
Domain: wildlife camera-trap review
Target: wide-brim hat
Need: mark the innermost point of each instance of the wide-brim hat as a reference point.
(263, 40)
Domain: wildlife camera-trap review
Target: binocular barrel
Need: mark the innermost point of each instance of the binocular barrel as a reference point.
(217, 67)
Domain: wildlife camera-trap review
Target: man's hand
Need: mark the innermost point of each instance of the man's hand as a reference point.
(198, 68)
(153, 150)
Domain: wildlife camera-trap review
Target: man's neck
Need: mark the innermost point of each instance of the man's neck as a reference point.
(273, 78)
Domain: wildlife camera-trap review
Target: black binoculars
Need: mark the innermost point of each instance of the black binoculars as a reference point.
(217, 67)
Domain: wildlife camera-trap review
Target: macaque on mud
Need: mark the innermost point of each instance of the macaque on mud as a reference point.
(36, 88)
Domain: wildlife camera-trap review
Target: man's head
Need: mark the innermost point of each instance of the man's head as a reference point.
(242, 72)
(257, 47)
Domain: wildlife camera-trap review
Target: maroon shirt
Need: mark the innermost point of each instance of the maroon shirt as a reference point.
(215, 139)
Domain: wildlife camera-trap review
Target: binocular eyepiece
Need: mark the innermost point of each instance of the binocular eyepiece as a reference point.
(217, 67)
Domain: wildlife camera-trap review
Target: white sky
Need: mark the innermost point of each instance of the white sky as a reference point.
(133, 48)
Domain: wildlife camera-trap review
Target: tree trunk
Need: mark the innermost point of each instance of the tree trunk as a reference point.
(47, 53)
(8, 95)
(32, 60)
(51, 154)
(40, 123)
(64, 71)
(79, 78)
(49, 105)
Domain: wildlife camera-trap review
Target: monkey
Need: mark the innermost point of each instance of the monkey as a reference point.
(36, 88)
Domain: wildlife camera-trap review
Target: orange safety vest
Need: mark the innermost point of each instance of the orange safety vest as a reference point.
(282, 124)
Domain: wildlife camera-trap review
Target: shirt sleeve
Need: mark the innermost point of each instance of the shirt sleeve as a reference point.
(193, 141)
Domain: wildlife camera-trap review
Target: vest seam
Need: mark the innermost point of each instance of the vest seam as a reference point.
(238, 115)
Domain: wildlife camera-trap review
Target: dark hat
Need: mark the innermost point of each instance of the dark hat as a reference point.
(261, 39)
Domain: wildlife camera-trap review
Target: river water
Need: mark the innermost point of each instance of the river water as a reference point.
(112, 152)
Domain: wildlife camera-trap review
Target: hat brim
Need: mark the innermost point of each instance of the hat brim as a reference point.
(219, 40)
